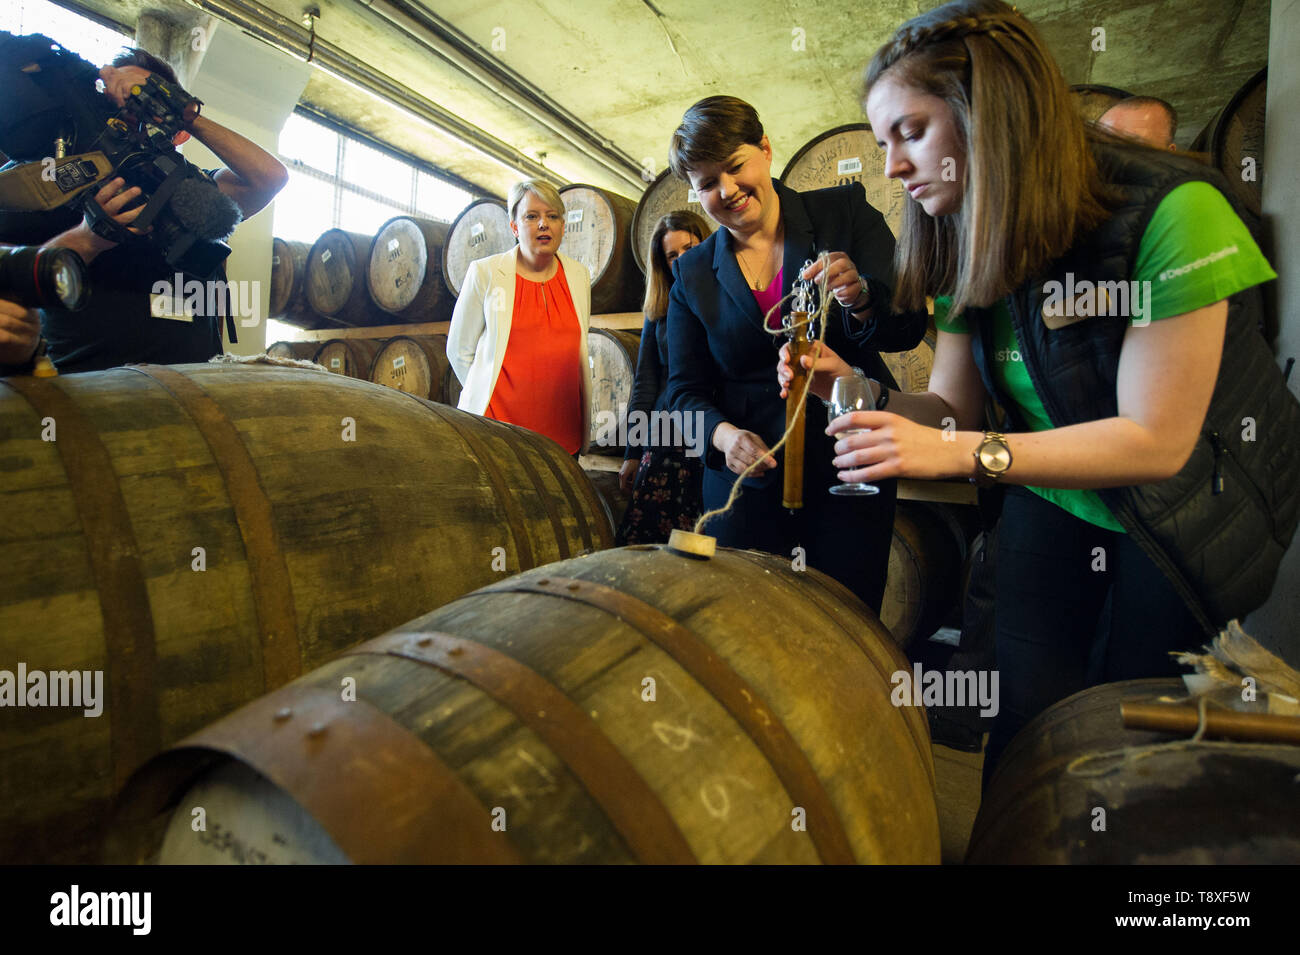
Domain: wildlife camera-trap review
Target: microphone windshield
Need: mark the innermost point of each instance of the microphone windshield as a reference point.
(204, 209)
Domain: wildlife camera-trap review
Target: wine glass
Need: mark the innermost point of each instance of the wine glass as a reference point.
(852, 393)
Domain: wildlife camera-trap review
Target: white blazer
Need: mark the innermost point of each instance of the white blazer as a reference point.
(480, 328)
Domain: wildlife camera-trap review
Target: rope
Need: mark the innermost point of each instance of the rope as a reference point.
(1131, 754)
(823, 306)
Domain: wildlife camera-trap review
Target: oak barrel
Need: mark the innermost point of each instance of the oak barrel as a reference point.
(325, 508)
(1234, 139)
(666, 194)
(405, 272)
(627, 706)
(1093, 99)
(288, 277)
(336, 279)
(416, 364)
(598, 233)
(481, 229)
(611, 492)
(911, 369)
(349, 356)
(924, 581)
(302, 351)
(1197, 803)
(843, 155)
(612, 355)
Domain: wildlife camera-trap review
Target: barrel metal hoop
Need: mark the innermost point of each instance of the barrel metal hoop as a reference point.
(381, 794)
(130, 652)
(591, 504)
(741, 700)
(268, 573)
(514, 517)
(632, 807)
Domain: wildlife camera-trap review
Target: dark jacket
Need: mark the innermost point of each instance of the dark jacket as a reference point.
(650, 388)
(1219, 549)
(723, 364)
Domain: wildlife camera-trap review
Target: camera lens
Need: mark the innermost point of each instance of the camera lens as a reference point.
(41, 278)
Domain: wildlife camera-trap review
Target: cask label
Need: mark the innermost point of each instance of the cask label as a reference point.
(847, 167)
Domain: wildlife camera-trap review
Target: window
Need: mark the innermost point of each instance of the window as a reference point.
(336, 181)
(83, 36)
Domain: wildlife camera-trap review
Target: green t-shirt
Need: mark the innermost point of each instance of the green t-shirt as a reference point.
(1195, 251)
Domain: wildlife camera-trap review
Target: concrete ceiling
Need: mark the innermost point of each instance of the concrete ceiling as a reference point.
(627, 69)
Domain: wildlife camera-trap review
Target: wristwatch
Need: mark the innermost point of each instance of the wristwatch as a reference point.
(992, 459)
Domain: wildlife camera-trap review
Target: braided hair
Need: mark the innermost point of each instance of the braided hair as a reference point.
(1031, 183)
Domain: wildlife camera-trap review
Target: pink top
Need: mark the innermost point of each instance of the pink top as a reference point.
(769, 297)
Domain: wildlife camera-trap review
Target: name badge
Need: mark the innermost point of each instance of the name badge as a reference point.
(164, 306)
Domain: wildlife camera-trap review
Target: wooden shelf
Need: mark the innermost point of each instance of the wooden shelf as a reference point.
(628, 321)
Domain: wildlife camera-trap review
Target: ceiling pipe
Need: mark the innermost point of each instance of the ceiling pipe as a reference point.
(456, 49)
(292, 38)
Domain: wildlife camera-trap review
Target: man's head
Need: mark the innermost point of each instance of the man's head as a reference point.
(131, 67)
(1151, 120)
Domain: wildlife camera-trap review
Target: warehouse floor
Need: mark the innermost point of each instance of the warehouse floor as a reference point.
(957, 784)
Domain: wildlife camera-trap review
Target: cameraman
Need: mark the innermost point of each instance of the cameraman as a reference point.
(124, 321)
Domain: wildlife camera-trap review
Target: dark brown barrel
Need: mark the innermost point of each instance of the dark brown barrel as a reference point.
(911, 369)
(923, 584)
(843, 155)
(612, 358)
(598, 233)
(482, 229)
(325, 508)
(1093, 100)
(405, 273)
(451, 386)
(288, 276)
(629, 706)
(611, 492)
(1234, 139)
(1212, 803)
(336, 279)
(349, 356)
(666, 194)
(302, 351)
(416, 364)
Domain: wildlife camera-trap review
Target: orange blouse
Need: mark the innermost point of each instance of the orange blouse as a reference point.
(539, 387)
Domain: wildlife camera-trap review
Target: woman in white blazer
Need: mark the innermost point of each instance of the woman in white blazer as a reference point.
(518, 336)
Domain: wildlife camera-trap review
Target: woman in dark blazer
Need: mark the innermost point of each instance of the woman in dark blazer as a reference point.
(721, 360)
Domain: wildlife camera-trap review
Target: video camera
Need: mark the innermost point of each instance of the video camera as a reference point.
(54, 108)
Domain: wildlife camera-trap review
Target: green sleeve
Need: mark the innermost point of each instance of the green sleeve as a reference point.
(956, 324)
(1196, 251)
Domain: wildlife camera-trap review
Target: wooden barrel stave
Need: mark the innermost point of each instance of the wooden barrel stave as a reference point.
(1236, 133)
(926, 558)
(1194, 804)
(911, 369)
(717, 785)
(481, 229)
(666, 194)
(404, 274)
(301, 351)
(336, 526)
(598, 233)
(1093, 100)
(843, 155)
(613, 357)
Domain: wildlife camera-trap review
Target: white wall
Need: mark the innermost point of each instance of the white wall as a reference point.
(1277, 623)
(250, 88)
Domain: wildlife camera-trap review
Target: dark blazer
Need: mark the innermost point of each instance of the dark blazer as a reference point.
(722, 363)
(650, 389)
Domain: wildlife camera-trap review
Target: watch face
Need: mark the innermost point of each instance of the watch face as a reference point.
(995, 457)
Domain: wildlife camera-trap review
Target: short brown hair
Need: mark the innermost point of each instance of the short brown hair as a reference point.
(134, 56)
(659, 276)
(1032, 184)
(711, 131)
